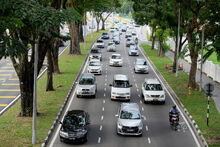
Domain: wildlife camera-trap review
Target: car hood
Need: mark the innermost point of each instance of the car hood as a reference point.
(130, 122)
(155, 92)
(74, 129)
(132, 50)
(121, 90)
(141, 66)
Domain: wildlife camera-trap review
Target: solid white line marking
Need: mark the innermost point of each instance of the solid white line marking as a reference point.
(103, 109)
(142, 108)
(146, 128)
(103, 101)
(194, 136)
(99, 140)
(100, 128)
(149, 140)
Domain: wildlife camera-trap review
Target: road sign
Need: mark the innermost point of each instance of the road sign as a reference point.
(209, 88)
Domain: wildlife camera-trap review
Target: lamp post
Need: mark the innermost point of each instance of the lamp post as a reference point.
(178, 42)
(200, 85)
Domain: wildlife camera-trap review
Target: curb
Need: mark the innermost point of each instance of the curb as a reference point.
(189, 118)
(61, 111)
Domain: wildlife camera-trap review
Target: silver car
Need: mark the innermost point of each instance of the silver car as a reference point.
(95, 67)
(115, 60)
(86, 85)
(95, 53)
(133, 50)
(129, 120)
(100, 43)
(111, 47)
(141, 66)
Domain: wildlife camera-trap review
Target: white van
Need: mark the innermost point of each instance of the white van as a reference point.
(120, 88)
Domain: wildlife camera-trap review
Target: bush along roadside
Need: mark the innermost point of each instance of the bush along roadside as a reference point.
(195, 104)
(17, 131)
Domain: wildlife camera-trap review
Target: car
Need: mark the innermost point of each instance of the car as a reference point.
(141, 66)
(129, 120)
(100, 43)
(128, 34)
(133, 33)
(86, 85)
(120, 88)
(116, 39)
(95, 53)
(133, 50)
(152, 91)
(124, 29)
(105, 36)
(95, 67)
(111, 47)
(115, 60)
(74, 127)
(112, 29)
(129, 41)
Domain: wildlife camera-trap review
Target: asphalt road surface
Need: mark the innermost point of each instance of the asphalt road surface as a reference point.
(102, 131)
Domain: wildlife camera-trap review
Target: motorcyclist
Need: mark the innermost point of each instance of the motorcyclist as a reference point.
(173, 111)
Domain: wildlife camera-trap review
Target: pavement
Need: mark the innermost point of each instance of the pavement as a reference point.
(205, 79)
(102, 110)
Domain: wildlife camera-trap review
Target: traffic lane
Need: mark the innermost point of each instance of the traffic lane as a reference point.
(158, 114)
(110, 137)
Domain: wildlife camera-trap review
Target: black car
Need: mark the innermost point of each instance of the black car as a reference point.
(74, 127)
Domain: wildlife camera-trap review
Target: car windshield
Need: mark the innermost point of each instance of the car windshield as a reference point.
(126, 114)
(95, 51)
(154, 87)
(116, 57)
(72, 122)
(100, 41)
(104, 34)
(94, 63)
(110, 43)
(86, 81)
(121, 84)
(141, 62)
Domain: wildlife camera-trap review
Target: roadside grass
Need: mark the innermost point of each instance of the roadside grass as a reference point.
(17, 131)
(196, 103)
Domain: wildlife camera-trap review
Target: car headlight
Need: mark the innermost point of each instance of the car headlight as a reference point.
(128, 93)
(140, 127)
(119, 126)
(113, 92)
(147, 95)
(64, 134)
(162, 96)
(81, 133)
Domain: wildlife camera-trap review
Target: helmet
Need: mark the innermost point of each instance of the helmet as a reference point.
(174, 106)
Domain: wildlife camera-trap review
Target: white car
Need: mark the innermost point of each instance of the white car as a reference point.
(100, 43)
(111, 47)
(141, 66)
(95, 67)
(133, 50)
(120, 88)
(152, 91)
(115, 60)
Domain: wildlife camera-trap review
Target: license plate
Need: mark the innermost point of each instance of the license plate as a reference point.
(72, 138)
(155, 99)
(130, 130)
(85, 92)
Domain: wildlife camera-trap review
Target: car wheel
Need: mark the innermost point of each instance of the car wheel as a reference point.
(142, 95)
(163, 102)
(61, 140)
(94, 96)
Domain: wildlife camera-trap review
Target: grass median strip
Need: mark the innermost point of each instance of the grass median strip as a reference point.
(17, 131)
(196, 103)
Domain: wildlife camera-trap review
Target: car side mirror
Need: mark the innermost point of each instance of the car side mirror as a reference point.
(110, 84)
(116, 115)
(76, 82)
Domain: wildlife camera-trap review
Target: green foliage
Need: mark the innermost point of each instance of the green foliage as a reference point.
(166, 47)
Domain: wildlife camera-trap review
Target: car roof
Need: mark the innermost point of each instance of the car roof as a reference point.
(130, 106)
(151, 81)
(120, 77)
(75, 112)
(87, 75)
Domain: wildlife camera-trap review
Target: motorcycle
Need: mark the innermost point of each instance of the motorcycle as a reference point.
(174, 121)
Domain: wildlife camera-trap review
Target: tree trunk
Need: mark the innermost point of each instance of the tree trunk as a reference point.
(81, 31)
(103, 24)
(194, 56)
(153, 38)
(49, 86)
(74, 44)
(97, 21)
(55, 56)
(160, 52)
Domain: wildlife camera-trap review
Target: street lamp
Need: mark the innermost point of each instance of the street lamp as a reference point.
(178, 41)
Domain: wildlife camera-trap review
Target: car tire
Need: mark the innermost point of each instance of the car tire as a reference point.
(163, 102)
(94, 96)
(78, 96)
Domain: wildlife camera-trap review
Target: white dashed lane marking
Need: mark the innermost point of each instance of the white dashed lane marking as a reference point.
(149, 141)
(99, 140)
(104, 89)
(139, 95)
(136, 85)
(140, 101)
(103, 101)
(100, 128)
(103, 109)
(104, 94)
(146, 128)
(142, 108)
(137, 90)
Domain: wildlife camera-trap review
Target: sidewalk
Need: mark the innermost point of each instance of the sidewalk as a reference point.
(205, 79)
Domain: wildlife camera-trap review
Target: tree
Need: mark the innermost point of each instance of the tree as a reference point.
(29, 20)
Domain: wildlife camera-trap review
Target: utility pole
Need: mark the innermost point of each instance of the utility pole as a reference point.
(84, 32)
(34, 123)
(92, 24)
(200, 85)
(178, 43)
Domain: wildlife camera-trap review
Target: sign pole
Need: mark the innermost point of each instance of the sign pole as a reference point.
(207, 122)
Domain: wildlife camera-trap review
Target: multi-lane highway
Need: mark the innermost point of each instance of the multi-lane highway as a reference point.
(102, 130)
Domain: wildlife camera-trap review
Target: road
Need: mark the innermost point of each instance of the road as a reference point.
(102, 132)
